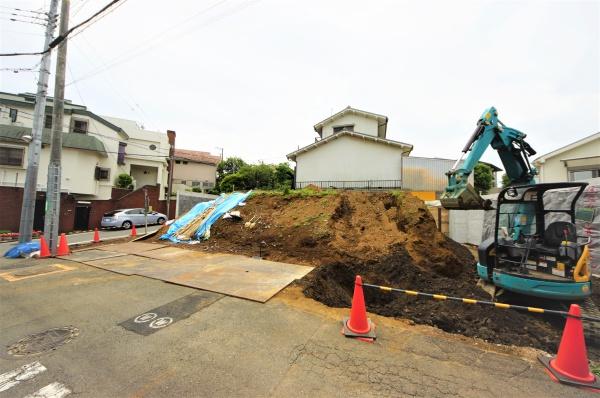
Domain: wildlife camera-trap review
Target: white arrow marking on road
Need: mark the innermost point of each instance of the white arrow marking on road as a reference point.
(25, 372)
(54, 390)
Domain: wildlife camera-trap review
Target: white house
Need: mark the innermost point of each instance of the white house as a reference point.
(95, 149)
(194, 169)
(578, 161)
(352, 151)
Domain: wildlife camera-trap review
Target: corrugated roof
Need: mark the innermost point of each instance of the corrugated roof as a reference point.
(70, 140)
(197, 156)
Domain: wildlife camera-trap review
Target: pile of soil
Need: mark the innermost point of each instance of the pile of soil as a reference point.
(388, 239)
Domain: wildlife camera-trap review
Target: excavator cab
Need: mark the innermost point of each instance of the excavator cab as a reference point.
(535, 249)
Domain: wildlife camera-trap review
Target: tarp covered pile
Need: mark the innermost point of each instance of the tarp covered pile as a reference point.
(195, 225)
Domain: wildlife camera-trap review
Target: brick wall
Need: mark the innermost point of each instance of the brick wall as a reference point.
(11, 199)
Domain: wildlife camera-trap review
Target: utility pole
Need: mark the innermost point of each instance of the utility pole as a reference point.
(35, 146)
(171, 136)
(54, 166)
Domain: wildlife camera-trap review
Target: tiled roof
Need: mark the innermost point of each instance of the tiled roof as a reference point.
(197, 156)
(70, 140)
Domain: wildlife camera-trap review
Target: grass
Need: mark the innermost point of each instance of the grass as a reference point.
(296, 193)
(595, 368)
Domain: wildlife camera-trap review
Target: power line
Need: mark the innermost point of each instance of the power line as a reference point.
(22, 10)
(64, 36)
(24, 16)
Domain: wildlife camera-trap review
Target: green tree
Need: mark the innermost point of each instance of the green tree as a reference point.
(484, 178)
(124, 180)
(284, 176)
(505, 180)
(229, 166)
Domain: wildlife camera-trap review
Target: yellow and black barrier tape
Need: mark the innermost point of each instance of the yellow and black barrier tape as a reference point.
(537, 310)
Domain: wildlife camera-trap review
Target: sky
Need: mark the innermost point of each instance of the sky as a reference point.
(254, 76)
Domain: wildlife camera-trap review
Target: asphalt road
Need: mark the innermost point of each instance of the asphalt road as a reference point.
(85, 237)
(140, 337)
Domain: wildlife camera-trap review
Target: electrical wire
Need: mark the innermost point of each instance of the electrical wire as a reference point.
(22, 10)
(135, 144)
(63, 37)
(24, 16)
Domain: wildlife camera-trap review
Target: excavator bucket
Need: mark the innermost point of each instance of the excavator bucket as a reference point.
(464, 198)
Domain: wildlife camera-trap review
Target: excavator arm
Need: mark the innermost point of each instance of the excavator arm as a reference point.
(512, 149)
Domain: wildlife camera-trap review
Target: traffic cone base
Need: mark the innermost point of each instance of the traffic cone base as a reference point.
(44, 250)
(559, 377)
(358, 325)
(369, 335)
(570, 365)
(96, 236)
(63, 246)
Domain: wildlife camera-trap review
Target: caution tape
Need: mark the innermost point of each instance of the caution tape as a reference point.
(505, 306)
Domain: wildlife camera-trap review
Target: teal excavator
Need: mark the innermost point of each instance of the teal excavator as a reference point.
(535, 249)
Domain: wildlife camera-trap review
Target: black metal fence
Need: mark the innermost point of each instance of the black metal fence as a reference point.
(365, 184)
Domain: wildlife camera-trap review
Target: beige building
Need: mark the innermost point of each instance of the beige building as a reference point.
(95, 149)
(352, 151)
(194, 169)
(579, 161)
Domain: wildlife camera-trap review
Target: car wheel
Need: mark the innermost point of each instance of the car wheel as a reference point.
(126, 224)
(160, 221)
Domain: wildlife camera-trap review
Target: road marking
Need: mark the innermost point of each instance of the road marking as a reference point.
(25, 372)
(161, 322)
(148, 316)
(53, 390)
(19, 275)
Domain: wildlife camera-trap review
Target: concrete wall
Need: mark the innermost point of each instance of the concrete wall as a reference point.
(555, 170)
(361, 124)
(466, 226)
(193, 171)
(349, 159)
(187, 200)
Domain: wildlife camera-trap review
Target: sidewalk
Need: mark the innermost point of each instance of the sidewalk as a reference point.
(85, 237)
(228, 347)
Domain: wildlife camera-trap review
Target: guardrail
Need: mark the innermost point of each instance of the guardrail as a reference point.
(350, 184)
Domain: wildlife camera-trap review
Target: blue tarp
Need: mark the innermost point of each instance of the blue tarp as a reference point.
(222, 205)
(22, 249)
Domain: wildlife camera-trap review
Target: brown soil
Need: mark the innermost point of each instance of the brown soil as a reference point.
(390, 240)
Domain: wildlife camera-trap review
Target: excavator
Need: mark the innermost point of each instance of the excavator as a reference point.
(535, 249)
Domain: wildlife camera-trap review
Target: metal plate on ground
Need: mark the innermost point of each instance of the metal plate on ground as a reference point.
(167, 253)
(34, 271)
(131, 247)
(128, 264)
(39, 343)
(158, 318)
(243, 277)
(91, 254)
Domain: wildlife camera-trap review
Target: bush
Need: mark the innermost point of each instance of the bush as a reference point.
(125, 181)
(484, 178)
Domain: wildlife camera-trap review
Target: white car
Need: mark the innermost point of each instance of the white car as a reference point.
(125, 218)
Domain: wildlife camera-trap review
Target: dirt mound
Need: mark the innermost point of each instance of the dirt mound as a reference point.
(389, 239)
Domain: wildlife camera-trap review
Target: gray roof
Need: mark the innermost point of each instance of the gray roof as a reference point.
(69, 140)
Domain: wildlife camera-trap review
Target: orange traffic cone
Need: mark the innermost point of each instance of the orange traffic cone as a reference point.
(570, 366)
(96, 236)
(133, 230)
(63, 246)
(358, 325)
(44, 251)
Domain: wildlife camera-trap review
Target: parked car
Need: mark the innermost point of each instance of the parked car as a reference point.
(125, 218)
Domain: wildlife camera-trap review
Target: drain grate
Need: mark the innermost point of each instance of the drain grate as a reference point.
(39, 343)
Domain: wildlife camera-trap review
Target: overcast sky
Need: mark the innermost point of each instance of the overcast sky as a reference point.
(254, 76)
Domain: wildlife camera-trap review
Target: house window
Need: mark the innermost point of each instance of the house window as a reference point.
(121, 154)
(48, 121)
(11, 156)
(347, 127)
(183, 182)
(178, 162)
(584, 174)
(102, 174)
(208, 184)
(80, 126)
(185, 162)
(13, 114)
(196, 183)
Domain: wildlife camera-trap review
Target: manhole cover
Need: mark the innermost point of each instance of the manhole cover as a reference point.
(39, 343)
